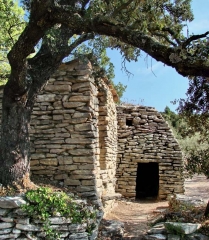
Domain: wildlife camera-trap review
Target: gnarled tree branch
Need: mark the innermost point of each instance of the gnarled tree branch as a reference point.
(193, 38)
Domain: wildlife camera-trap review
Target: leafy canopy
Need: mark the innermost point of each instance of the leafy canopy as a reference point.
(161, 20)
(130, 26)
(11, 25)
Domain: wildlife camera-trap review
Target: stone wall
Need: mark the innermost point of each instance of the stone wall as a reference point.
(107, 126)
(64, 132)
(70, 142)
(16, 224)
(143, 137)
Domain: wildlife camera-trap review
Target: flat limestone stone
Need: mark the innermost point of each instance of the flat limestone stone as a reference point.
(6, 225)
(183, 228)
(10, 236)
(173, 237)
(75, 236)
(5, 231)
(156, 237)
(3, 212)
(28, 227)
(196, 236)
(157, 229)
(11, 202)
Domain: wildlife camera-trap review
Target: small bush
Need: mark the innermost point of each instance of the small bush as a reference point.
(175, 230)
(187, 213)
(44, 203)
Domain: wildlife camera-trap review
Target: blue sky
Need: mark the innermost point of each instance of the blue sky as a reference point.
(152, 83)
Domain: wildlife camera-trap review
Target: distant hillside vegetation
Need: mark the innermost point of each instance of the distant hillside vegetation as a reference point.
(195, 147)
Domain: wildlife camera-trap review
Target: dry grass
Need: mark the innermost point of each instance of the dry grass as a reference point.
(25, 184)
(188, 214)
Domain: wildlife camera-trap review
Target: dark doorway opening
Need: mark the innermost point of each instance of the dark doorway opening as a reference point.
(147, 181)
(129, 122)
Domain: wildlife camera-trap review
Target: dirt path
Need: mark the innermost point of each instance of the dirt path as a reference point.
(197, 186)
(136, 214)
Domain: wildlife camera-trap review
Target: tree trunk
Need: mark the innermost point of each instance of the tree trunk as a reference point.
(15, 142)
(206, 213)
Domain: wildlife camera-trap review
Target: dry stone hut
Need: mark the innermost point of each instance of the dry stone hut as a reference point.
(149, 158)
(76, 137)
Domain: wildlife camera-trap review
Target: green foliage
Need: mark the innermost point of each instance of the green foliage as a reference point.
(44, 203)
(177, 230)
(108, 68)
(11, 25)
(176, 123)
(120, 89)
(194, 109)
(197, 161)
(178, 206)
(186, 212)
(160, 19)
(194, 112)
(171, 117)
(204, 228)
(95, 51)
(150, 17)
(192, 139)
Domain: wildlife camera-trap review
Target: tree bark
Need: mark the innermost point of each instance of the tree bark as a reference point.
(15, 141)
(206, 213)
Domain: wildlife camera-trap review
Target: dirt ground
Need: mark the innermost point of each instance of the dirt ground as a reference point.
(136, 214)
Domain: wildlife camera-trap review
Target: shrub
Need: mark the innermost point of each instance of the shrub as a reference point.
(44, 203)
